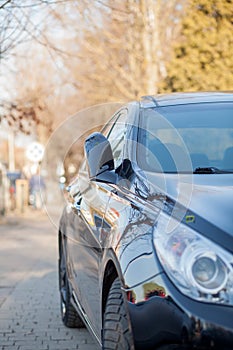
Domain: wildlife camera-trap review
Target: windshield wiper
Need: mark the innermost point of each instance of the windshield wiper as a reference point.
(210, 170)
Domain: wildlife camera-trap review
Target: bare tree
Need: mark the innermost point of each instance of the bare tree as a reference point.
(27, 50)
(122, 55)
(101, 51)
(24, 21)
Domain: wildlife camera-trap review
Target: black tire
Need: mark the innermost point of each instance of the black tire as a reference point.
(116, 332)
(69, 315)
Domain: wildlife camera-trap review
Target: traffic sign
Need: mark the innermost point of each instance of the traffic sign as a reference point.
(35, 152)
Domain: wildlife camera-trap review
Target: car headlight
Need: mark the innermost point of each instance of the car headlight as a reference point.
(198, 267)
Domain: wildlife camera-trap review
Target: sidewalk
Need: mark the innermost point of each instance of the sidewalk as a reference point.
(29, 297)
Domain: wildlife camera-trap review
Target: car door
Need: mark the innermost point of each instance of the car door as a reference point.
(89, 207)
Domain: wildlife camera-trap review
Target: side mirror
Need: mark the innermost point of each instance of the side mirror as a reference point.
(99, 155)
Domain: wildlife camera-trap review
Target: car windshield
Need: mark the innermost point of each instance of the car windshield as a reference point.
(187, 138)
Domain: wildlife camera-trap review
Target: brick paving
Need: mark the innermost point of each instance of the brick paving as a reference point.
(29, 299)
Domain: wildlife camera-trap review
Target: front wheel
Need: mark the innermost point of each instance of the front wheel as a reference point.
(69, 315)
(116, 332)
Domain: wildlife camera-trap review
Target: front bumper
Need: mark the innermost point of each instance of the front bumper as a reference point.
(162, 316)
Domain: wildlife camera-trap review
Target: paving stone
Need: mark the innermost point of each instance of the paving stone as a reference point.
(29, 300)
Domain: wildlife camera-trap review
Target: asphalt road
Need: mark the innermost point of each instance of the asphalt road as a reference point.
(29, 297)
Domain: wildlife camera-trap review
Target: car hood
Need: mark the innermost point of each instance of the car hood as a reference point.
(209, 196)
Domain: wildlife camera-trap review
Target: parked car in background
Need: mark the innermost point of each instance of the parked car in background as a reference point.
(146, 237)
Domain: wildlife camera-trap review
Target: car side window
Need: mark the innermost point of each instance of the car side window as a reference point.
(116, 136)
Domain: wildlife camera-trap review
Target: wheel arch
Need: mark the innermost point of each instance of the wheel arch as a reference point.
(61, 237)
(110, 274)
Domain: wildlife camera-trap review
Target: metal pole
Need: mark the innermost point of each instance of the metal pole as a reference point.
(11, 150)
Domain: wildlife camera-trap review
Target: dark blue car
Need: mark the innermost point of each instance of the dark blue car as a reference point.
(146, 237)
